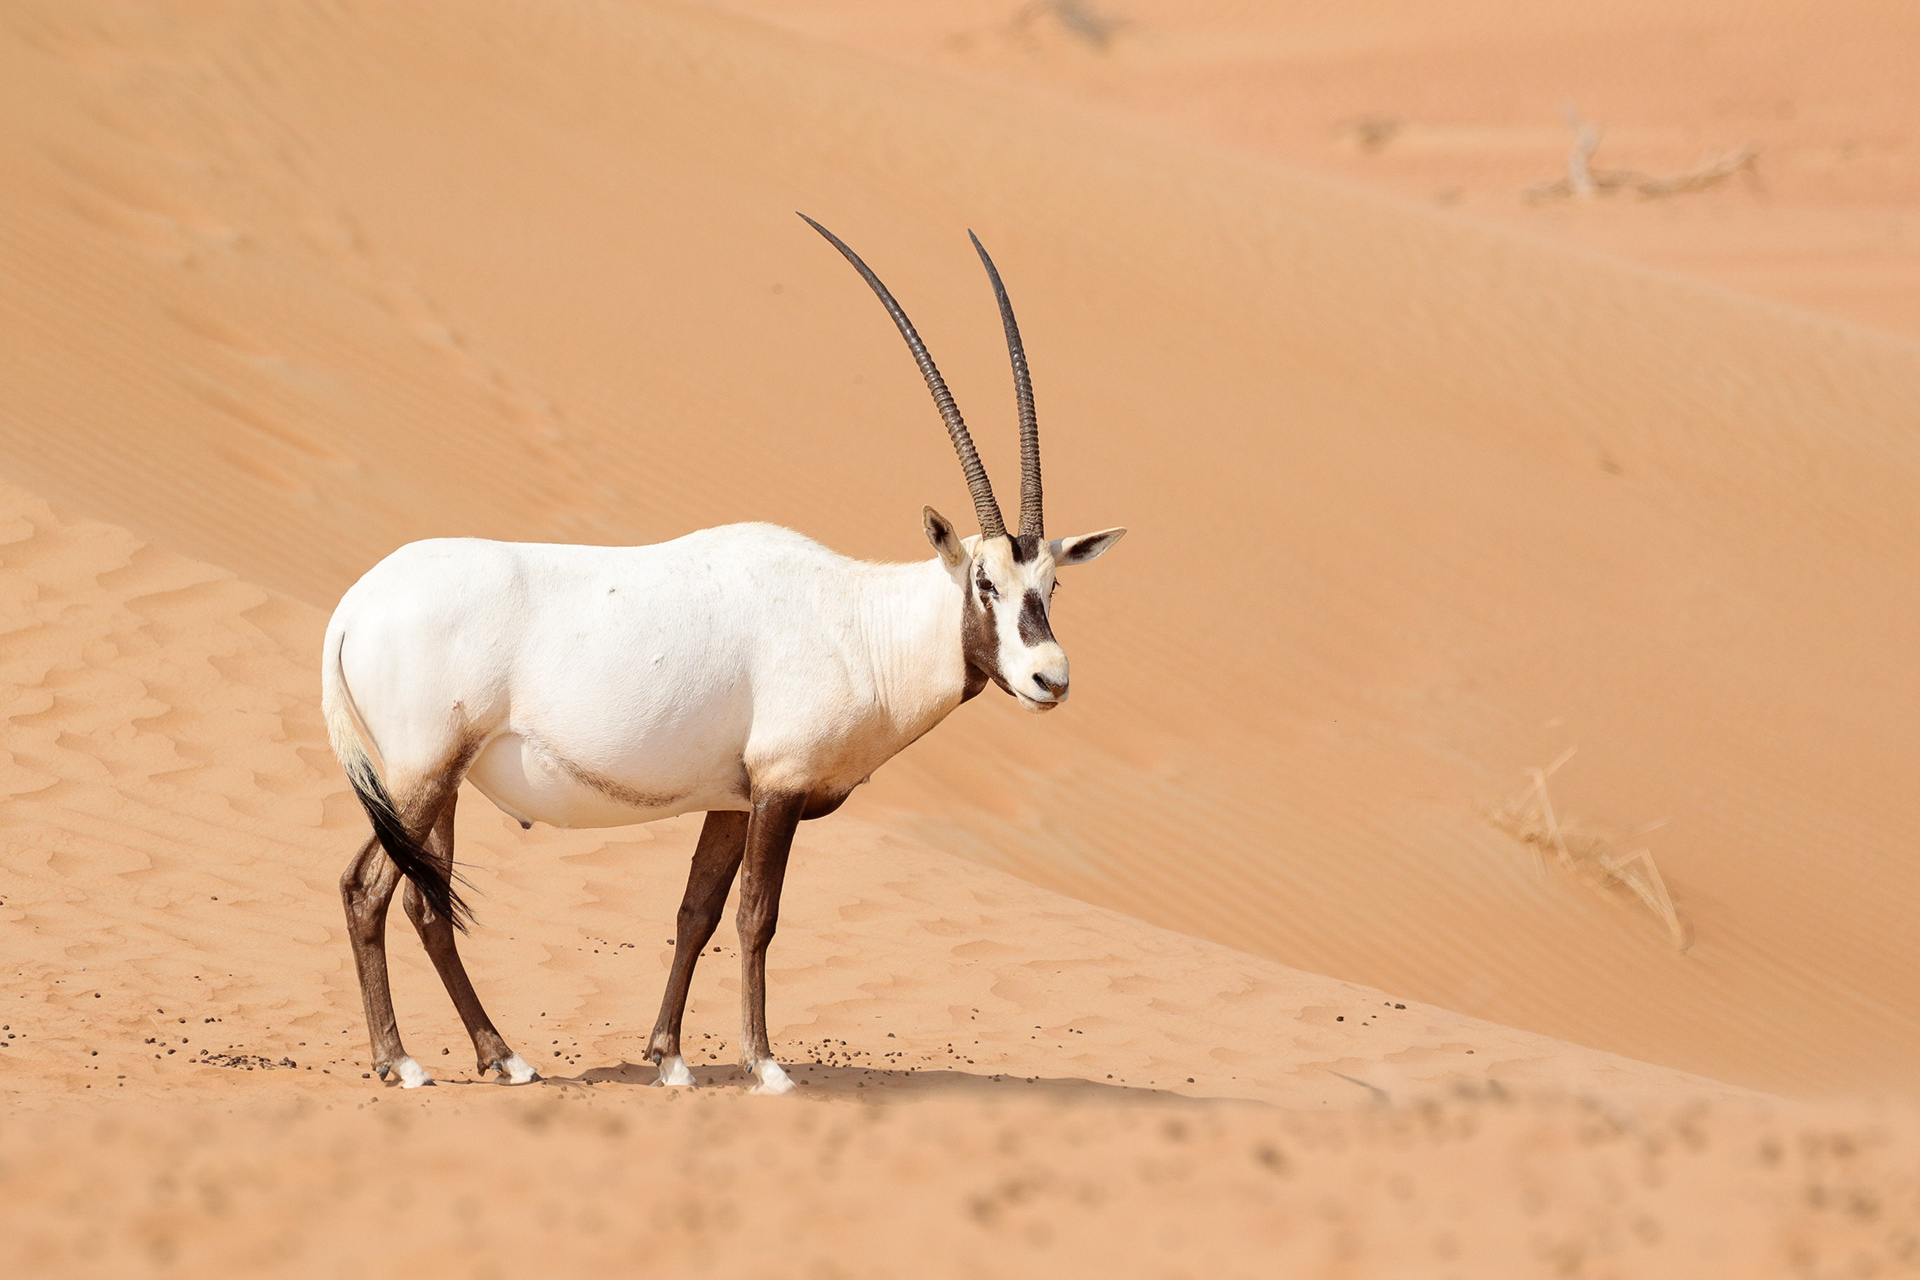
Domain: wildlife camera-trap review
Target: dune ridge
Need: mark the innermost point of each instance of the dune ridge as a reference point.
(1417, 504)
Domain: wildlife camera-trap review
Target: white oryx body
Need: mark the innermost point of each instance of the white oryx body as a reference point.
(604, 686)
(746, 672)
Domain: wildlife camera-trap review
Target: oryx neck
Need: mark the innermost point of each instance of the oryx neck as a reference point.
(910, 620)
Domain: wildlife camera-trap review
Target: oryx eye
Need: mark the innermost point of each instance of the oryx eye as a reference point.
(987, 588)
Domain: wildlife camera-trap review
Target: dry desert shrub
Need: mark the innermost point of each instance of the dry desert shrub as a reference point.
(1588, 851)
(1584, 182)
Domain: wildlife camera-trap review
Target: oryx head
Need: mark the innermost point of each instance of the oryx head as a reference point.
(1007, 579)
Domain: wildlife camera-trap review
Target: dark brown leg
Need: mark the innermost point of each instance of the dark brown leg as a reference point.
(762, 873)
(722, 842)
(436, 935)
(366, 889)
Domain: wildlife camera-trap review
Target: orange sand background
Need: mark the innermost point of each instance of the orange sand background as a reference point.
(1423, 493)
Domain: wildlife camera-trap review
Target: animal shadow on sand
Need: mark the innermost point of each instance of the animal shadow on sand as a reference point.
(875, 1083)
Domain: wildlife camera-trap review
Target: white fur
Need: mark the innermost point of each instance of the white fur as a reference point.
(773, 1080)
(515, 1069)
(411, 1074)
(686, 672)
(674, 1073)
(1021, 663)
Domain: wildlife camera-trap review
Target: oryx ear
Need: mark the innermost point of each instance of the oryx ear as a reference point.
(1088, 546)
(940, 532)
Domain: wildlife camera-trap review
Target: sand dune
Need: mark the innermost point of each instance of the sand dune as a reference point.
(1417, 504)
(180, 991)
(1458, 105)
(175, 824)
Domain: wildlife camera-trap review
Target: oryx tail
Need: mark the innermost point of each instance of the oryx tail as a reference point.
(348, 733)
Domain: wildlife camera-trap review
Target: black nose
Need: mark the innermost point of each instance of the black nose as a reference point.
(1051, 689)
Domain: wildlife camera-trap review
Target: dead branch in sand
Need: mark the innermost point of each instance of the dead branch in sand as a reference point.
(1646, 883)
(1739, 160)
(1586, 139)
(1584, 182)
(1587, 854)
(1540, 777)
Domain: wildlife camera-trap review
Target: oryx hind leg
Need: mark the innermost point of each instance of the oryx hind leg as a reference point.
(437, 936)
(723, 839)
(366, 890)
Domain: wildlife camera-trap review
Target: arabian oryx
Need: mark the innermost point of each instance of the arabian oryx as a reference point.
(746, 671)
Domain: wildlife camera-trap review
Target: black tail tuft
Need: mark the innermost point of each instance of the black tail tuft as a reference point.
(409, 855)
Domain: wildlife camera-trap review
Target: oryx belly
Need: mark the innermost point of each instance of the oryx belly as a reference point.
(532, 782)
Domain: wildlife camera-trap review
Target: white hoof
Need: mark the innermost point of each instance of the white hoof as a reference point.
(412, 1074)
(772, 1079)
(515, 1069)
(674, 1073)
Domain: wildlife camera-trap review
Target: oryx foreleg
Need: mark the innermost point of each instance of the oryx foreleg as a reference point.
(723, 840)
(763, 871)
(490, 1050)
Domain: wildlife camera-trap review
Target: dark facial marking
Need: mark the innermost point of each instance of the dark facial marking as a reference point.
(1033, 619)
(1025, 548)
(979, 646)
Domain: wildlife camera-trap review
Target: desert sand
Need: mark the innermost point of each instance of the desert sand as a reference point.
(1424, 494)
(1461, 105)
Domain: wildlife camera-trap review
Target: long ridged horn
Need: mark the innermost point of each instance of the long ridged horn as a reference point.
(1031, 520)
(984, 505)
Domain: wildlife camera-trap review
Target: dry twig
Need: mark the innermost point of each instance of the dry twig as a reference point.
(1586, 139)
(1713, 172)
(1582, 851)
(1540, 777)
(1646, 883)
(1584, 182)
